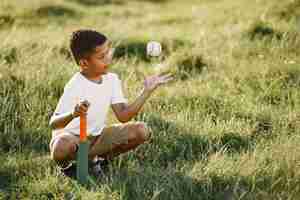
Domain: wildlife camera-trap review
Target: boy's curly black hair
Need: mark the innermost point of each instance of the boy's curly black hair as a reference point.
(84, 41)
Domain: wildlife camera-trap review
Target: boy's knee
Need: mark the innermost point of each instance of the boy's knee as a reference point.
(142, 132)
(62, 149)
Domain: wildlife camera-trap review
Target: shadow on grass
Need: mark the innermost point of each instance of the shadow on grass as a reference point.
(8, 185)
(216, 109)
(7, 181)
(157, 183)
(171, 143)
(161, 176)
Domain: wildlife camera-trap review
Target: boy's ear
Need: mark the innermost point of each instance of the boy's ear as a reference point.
(83, 63)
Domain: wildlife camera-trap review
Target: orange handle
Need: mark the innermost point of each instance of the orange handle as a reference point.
(83, 127)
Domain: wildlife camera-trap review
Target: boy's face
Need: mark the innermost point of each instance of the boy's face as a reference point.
(97, 62)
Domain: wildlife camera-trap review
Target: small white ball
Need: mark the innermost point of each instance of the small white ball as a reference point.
(153, 48)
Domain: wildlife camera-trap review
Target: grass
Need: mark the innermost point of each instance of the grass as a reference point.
(227, 128)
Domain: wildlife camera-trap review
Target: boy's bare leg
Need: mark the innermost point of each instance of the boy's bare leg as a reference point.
(63, 148)
(113, 141)
(119, 139)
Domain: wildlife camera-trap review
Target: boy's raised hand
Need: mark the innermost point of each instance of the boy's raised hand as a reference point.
(152, 82)
(81, 108)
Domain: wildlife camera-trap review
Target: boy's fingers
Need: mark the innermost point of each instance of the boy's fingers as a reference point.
(85, 106)
(77, 107)
(83, 109)
(87, 103)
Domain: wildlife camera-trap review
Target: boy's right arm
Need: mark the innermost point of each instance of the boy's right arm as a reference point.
(62, 120)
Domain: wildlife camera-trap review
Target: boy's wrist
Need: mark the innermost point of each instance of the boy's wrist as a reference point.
(72, 115)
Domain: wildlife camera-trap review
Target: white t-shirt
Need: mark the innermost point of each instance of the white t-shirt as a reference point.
(100, 97)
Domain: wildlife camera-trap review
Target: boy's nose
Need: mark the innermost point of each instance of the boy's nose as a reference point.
(109, 56)
(107, 61)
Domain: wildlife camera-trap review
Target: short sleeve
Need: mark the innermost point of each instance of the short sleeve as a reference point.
(66, 102)
(117, 93)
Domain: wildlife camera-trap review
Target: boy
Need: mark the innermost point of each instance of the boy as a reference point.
(91, 92)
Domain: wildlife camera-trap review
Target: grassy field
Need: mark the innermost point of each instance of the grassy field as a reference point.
(227, 128)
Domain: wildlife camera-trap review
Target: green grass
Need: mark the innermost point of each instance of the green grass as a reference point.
(227, 128)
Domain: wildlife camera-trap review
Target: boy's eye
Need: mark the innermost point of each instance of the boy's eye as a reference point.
(101, 56)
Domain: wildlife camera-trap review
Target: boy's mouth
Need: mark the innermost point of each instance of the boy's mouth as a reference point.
(105, 68)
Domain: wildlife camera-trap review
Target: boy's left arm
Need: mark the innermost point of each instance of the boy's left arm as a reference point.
(125, 112)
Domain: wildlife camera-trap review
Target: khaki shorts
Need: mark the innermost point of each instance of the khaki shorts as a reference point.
(111, 135)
